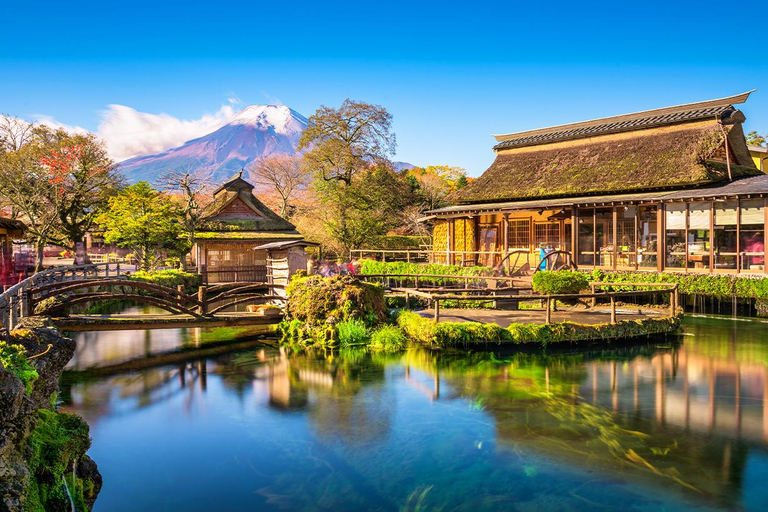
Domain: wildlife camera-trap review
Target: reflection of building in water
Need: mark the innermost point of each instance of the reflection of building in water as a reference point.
(698, 392)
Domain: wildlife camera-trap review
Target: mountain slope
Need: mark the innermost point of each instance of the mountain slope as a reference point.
(255, 131)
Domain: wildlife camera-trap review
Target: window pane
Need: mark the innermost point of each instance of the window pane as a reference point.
(604, 236)
(675, 235)
(752, 235)
(586, 240)
(698, 236)
(625, 231)
(724, 236)
(547, 234)
(519, 234)
(647, 235)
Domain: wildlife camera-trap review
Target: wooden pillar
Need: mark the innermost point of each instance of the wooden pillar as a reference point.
(661, 239)
(613, 309)
(593, 288)
(505, 227)
(548, 316)
(437, 309)
(615, 238)
(575, 234)
(201, 298)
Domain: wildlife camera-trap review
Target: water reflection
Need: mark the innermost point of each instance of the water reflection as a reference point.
(675, 423)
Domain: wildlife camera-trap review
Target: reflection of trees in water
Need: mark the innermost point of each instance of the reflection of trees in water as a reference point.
(538, 405)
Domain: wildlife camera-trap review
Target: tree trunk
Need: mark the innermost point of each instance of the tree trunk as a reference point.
(40, 254)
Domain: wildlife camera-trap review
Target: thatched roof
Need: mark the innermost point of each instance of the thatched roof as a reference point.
(686, 151)
(258, 218)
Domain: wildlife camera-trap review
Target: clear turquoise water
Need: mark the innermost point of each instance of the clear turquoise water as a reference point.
(668, 424)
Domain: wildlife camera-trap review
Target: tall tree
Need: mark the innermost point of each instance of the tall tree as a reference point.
(286, 175)
(26, 185)
(84, 178)
(144, 220)
(192, 186)
(341, 142)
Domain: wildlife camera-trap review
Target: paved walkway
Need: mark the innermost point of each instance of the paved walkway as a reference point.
(598, 315)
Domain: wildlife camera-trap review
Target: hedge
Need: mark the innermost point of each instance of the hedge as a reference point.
(719, 286)
(371, 267)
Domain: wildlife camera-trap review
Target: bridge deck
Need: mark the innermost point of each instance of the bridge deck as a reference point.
(119, 322)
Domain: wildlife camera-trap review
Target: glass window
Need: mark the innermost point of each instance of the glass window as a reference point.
(604, 236)
(752, 229)
(586, 239)
(519, 233)
(724, 236)
(625, 236)
(698, 235)
(547, 234)
(675, 235)
(647, 236)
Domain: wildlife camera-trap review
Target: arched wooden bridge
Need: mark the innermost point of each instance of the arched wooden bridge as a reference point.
(54, 292)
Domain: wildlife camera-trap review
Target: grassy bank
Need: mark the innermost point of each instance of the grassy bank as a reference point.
(450, 334)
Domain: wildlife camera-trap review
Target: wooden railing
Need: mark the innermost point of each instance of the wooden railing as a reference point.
(549, 300)
(15, 301)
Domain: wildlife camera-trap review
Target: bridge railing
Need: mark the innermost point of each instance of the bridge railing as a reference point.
(15, 301)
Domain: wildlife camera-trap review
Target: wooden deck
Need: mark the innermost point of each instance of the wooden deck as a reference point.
(120, 322)
(591, 316)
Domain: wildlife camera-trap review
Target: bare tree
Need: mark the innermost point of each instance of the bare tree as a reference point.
(192, 186)
(14, 132)
(285, 174)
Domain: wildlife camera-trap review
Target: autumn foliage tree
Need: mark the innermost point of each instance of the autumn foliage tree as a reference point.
(285, 175)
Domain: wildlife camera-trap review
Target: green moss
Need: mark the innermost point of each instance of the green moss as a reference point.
(14, 359)
(318, 301)
(446, 334)
(58, 441)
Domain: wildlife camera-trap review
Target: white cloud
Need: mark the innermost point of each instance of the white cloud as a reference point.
(129, 133)
(52, 123)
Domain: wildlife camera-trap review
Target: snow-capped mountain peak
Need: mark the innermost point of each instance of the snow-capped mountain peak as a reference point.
(255, 131)
(283, 119)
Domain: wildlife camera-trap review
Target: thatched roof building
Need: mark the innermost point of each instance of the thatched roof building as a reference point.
(652, 150)
(233, 223)
(673, 188)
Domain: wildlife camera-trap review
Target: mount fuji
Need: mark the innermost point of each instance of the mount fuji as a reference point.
(255, 131)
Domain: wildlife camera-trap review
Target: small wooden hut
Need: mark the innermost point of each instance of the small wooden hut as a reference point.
(232, 223)
(283, 260)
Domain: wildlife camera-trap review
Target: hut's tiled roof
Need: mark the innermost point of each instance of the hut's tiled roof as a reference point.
(711, 109)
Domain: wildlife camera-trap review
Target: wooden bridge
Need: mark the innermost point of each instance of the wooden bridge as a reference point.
(54, 292)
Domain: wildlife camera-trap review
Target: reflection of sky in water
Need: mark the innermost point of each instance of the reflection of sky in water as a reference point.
(260, 430)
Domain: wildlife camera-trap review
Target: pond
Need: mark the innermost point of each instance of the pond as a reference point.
(668, 424)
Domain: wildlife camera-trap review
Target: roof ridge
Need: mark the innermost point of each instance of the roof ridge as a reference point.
(626, 118)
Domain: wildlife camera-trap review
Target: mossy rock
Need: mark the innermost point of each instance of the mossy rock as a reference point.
(317, 301)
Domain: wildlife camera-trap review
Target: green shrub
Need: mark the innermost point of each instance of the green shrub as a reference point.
(171, 278)
(549, 282)
(317, 301)
(352, 332)
(14, 359)
(388, 337)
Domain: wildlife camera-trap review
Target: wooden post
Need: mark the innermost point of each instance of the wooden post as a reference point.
(408, 255)
(676, 298)
(407, 300)
(12, 312)
(594, 299)
(672, 306)
(201, 298)
(106, 269)
(613, 309)
(416, 282)
(548, 317)
(437, 309)
(24, 297)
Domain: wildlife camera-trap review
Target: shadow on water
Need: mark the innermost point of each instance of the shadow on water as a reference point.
(672, 423)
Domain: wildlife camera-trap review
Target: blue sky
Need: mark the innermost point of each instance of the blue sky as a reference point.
(451, 74)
